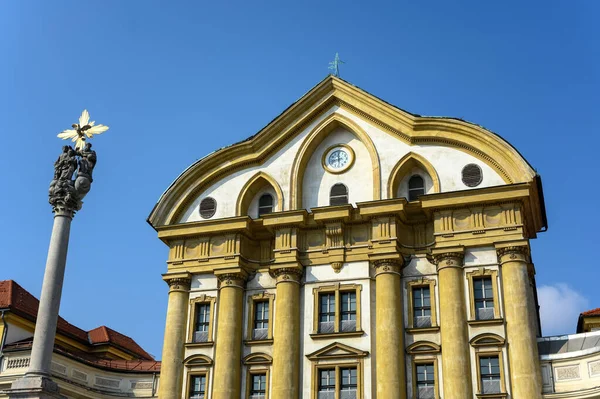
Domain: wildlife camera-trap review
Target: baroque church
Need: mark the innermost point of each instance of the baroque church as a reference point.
(348, 250)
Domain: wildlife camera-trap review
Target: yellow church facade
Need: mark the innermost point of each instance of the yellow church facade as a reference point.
(352, 250)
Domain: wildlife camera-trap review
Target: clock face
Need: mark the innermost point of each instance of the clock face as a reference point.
(338, 159)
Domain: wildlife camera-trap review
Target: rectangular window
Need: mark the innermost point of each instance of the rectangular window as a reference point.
(348, 311)
(489, 369)
(326, 384)
(197, 387)
(425, 381)
(326, 312)
(348, 385)
(202, 322)
(261, 320)
(421, 306)
(484, 298)
(259, 386)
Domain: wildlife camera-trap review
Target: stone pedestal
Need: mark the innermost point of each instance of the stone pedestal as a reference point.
(34, 387)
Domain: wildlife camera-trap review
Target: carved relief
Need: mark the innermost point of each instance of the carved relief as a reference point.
(462, 219)
(236, 280)
(383, 266)
(334, 234)
(191, 248)
(567, 373)
(287, 274)
(493, 216)
(217, 245)
(448, 259)
(594, 368)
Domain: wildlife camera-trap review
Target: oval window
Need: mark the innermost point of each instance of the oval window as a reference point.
(208, 207)
(472, 175)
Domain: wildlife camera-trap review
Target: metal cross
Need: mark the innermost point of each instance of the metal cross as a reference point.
(335, 65)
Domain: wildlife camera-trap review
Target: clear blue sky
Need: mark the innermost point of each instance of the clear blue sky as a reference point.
(177, 80)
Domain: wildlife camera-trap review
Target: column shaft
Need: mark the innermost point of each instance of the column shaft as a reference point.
(389, 342)
(520, 329)
(171, 372)
(47, 316)
(456, 364)
(227, 376)
(286, 339)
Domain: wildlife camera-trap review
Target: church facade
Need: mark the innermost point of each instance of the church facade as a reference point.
(352, 250)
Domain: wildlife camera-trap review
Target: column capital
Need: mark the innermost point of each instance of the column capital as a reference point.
(513, 253)
(178, 281)
(232, 279)
(388, 266)
(287, 274)
(447, 259)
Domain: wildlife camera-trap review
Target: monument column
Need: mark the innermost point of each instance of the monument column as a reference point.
(521, 334)
(389, 342)
(66, 193)
(456, 355)
(228, 353)
(171, 372)
(286, 339)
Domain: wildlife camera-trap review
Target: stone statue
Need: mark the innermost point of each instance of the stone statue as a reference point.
(66, 193)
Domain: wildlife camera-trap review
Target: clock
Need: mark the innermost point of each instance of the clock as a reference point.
(338, 159)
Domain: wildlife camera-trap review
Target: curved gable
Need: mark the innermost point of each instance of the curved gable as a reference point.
(331, 103)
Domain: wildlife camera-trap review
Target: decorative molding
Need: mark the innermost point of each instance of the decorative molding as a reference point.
(287, 274)
(423, 347)
(337, 266)
(513, 254)
(388, 266)
(448, 259)
(567, 373)
(233, 280)
(178, 282)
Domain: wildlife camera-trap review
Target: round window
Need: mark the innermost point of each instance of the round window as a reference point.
(208, 207)
(472, 175)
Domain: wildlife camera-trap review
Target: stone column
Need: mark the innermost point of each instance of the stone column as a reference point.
(286, 339)
(228, 353)
(521, 333)
(389, 339)
(37, 379)
(456, 355)
(171, 371)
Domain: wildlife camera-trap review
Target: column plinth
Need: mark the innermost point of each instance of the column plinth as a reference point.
(286, 337)
(228, 352)
(171, 372)
(389, 342)
(521, 333)
(456, 363)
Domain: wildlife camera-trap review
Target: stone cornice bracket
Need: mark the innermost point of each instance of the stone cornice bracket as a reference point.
(178, 282)
(287, 275)
(516, 253)
(388, 266)
(233, 280)
(447, 259)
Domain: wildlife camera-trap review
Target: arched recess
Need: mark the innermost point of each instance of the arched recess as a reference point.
(423, 347)
(404, 166)
(198, 360)
(487, 339)
(312, 141)
(252, 187)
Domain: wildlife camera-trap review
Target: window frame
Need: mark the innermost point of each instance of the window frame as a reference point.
(347, 195)
(424, 352)
(471, 277)
(423, 188)
(201, 300)
(250, 372)
(419, 283)
(252, 301)
(337, 367)
(258, 206)
(193, 374)
(336, 289)
(491, 353)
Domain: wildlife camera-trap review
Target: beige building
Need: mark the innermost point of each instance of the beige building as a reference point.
(351, 249)
(97, 364)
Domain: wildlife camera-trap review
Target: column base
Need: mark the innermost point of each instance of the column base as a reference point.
(34, 387)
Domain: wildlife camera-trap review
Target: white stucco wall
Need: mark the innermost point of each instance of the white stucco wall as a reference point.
(447, 161)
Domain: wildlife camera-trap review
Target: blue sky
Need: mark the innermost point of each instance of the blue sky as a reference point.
(177, 80)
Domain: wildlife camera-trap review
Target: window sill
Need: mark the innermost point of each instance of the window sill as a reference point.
(500, 395)
(490, 322)
(259, 342)
(337, 334)
(199, 344)
(419, 330)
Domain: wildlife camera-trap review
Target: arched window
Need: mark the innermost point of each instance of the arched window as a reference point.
(338, 195)
(416, 187)
(265, 204)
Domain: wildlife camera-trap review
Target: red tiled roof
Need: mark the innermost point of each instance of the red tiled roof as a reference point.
(103, 334)
(20, 301)
(593, 312)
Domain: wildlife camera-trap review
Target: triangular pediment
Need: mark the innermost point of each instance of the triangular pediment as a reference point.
(337, 350)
